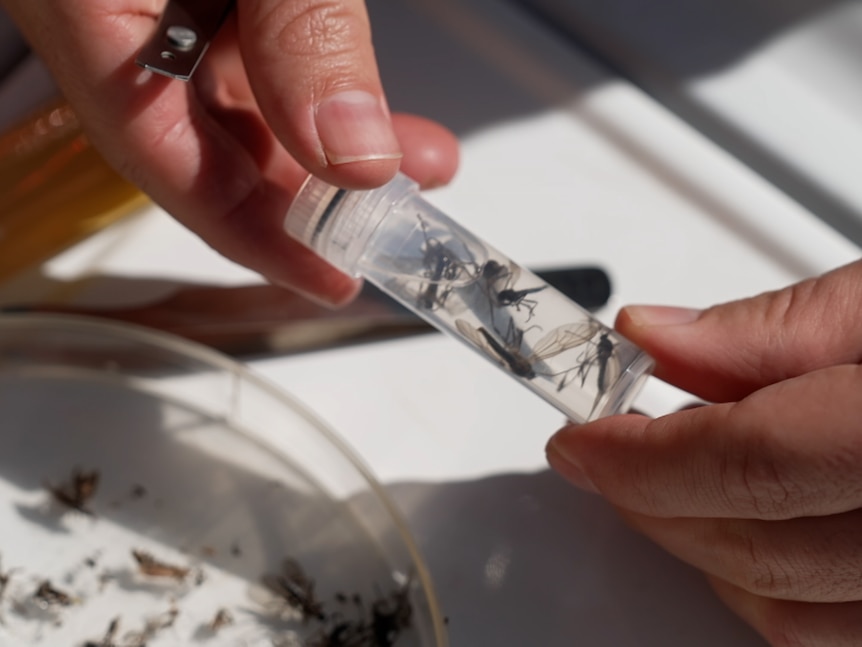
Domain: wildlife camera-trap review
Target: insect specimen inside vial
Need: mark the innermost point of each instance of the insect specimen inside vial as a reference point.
(501, 281)
(508, 349)
(149, 565)
(292, 585)
(77, 491)
(108, 640)
(49, 596)
(442, 267)
(602, 356)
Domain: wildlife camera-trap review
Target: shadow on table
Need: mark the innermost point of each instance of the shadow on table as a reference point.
(529, 560)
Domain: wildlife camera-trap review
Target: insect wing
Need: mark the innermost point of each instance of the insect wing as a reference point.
(563, 338)
(474, 336)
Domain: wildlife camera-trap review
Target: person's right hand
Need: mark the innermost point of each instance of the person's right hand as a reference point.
(762, 490)
(288, 87)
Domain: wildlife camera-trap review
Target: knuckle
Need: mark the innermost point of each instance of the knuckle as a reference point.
(758, 483)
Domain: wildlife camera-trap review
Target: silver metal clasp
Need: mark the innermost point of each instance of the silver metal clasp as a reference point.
(183, 34)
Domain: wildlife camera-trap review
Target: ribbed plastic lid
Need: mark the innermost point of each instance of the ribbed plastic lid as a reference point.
(311, 203)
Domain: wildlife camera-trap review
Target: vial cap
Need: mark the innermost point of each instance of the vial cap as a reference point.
(337, 223)
(303, 220)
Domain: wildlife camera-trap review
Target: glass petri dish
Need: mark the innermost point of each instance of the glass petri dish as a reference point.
(157, 492)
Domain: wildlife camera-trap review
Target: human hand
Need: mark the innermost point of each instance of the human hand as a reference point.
(763, 491)
(287, 87)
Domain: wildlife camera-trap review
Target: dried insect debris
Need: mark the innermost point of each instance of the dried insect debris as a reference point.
(5, 577)
(379, 625)
(109, 639)
(152, 627)
(77, 491)
(294, 587)
(149, 565)
(222, 618)
(47, 595)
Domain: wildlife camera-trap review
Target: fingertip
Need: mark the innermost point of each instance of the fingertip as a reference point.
(577, 451)
(431, 151)
(636, 318)
(359, 175)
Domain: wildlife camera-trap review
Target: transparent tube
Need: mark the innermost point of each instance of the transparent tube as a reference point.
(411, 250)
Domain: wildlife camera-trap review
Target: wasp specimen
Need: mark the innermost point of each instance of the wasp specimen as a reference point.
(500, 283)
(442, 266)
(149, 565)
(507, 350)
(77, 491)
(292, 585)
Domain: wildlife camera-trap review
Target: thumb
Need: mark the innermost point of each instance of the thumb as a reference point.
(312, 69)
(730, 350)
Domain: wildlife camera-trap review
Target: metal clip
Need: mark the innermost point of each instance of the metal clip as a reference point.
(184, 32)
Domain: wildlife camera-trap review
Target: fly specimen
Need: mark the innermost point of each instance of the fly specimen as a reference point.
(500, 283)
(441, 265)
(601, 355)
(507, 350)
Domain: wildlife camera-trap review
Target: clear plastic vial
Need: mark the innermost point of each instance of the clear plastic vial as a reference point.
(409, 249)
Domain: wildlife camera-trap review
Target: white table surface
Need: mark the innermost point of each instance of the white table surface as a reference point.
(562, 163)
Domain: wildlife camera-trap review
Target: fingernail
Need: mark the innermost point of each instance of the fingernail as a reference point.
(568, 467)
(661, 315)
(354, 127)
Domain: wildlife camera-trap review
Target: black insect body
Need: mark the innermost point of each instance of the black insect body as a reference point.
(294, 587)
(508, 349)
(501, 282)
(517, 363)
(77, 491)
(601, 355)
(442, 266)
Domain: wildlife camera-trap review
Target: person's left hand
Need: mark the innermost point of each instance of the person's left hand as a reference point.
(287, 88)
(762, 491)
